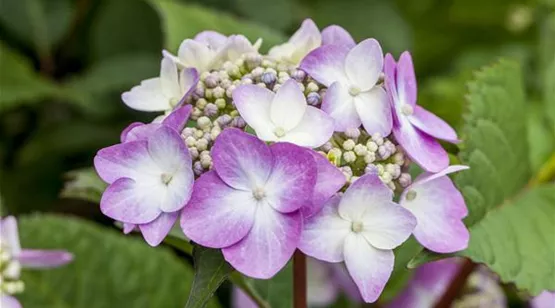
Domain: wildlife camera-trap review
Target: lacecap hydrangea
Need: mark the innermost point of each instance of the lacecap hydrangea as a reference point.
(306, 147)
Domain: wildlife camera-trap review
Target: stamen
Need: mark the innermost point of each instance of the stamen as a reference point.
(259, 193)
(166, 178)
(354, 91)
(407, 109)
(357, 226)
(411, 195)
(279, 132)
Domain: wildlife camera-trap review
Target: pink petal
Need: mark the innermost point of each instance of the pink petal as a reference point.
(7, 301)
(130, 127)
(364, 63)
(10, 234)
(188, 80)
(369, 267)
(241, 300)
(421, 148)
(128, 228)
(217, 215)
(406, 80)
(291, 183)
(269, 244)
(326, 64)
(339, 104)
(329, 180)
(367, 190)
(125, 201)
(253, 104)
(387, 225)
(212, 39)
(315, 129)
(123, 160)
(324, 233)
(155, 231)
(288, 106)
(140, 132)
(242, 160)
(439, 209)
(546, 299)
(432, 125)
(374, 110)
(390, 78)
(178, 118)
(31, 258)
(336, 35)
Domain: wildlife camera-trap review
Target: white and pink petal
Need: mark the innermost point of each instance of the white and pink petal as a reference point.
(336, 35)
(340, 105)
(374, 110)
(364, 64)
(155, 231)
(432, 125)
(368, 190)
(326, 64)
(34, 258)
(315, 128)
(288, 106)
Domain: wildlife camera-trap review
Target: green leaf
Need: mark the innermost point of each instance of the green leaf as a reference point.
(39, 23)
(401, 274)
(541, 138)
(549, 92)
(277, 292)
(84, 184)
(211, 270)
(510, 223)
(19, 82)
(181, 21)
(109, 269)
(277, 14)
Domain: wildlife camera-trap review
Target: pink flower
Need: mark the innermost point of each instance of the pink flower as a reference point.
(249, 204)
(351, 75)
(13, 258)
(414, 127)
(360, 228)
(439, 209)
(150, 176)
(546, 299)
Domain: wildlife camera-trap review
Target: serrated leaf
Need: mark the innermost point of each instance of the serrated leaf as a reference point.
(541, 138)
(181, 21)
(211, 270)
(109, 269)
(84, 184)
(509, 222)
(19, 83)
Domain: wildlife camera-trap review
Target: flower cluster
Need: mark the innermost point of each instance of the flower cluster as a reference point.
(13, 258)
(305, 147)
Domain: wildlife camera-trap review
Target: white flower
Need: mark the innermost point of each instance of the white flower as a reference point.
(306, 39)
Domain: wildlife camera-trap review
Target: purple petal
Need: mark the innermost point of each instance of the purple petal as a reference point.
(291, 183)
(125, 201)
(390, 73)
(367, 190)
(9, 233)
(7, 301)
(288, 106)
(339, 104)
(188, 80)
(336, 35)
(546, 299)
(128, 228)
(364, 63)
(241, 300)
(178, 118)
(324, 233)
(242, 160)
(268, 246)
(141, 132)
(315, 129)
(217, 215)
(421, 148)
(155, 231)
(432, 125)
(374, 110)
(123, 160)
(32, 258)
(369, 267)
(130, 127)
(326, 64)
(328, 181)
(439, 208)
(406, 80)
(212, 39)
(253, 104)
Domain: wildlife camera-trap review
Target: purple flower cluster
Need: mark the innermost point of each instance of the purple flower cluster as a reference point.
(261, 196)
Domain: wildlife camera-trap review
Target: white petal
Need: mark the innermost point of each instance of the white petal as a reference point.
(9, 233)
(147, 96)
(339, 104)
(306, 39)
(387, 225)
(195, 54)
(326, 64)
(169, 79)
(374, 110)
(364, 63)
(315, 129)
(368, 190)
(369, 267)
(288, 106)
(188, 79)
(253, 104)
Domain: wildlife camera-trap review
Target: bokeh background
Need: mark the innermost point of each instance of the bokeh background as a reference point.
(65, 63)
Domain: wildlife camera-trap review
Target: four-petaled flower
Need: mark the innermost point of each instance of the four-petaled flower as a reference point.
(13, 258)
(283, 116)
(306, 39)
(439, 209)
(150, 176)
(414, 127)
(360, 228)
(351, 75)
(249, 204)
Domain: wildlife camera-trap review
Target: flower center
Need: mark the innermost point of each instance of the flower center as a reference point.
(9, 272)
(357, 226)
(279, 131)
(354, 91)
(166, 178)
(259, 193)
(411, 195)
(407, 109)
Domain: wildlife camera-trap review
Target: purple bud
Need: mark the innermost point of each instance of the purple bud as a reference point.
(326, 147)
(211, 81)
(238, 122)
(313, 99)
(299, 75)
(384, 152)
(224, 120)
(210, 110)
(187, 132)
(268, 78)
(197, 168)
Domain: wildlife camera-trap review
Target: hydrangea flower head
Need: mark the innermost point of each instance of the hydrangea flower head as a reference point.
(414, 127)
(360, 228)
(249, 204)
(306, 39)
(13, 259)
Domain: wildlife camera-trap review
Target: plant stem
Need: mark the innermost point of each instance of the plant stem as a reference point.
(299, 280)
(456, 284)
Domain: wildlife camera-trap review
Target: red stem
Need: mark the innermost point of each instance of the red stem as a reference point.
(299, 280)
